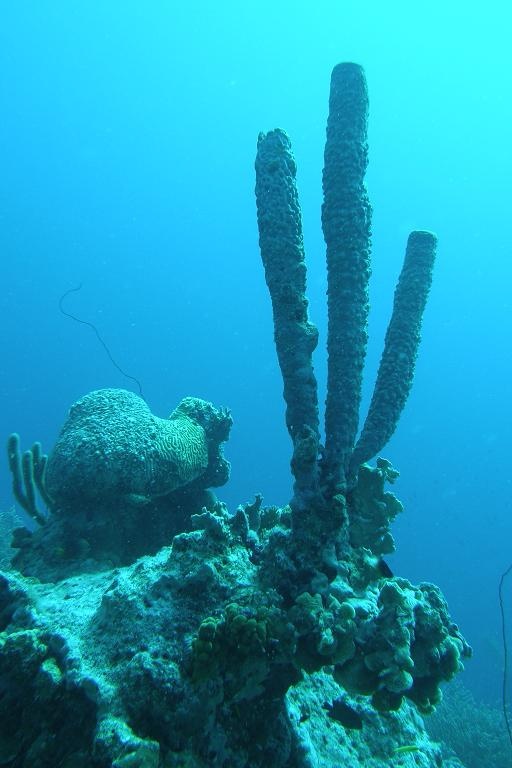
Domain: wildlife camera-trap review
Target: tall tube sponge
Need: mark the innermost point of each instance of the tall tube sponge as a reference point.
(346, 217)
(396, 369)
(282, 253)
(346, 224)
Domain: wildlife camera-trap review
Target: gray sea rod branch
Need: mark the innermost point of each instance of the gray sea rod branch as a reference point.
(346, 223)
(282, 253)
(396, 369)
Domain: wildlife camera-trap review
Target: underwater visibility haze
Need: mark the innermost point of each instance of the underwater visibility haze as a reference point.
(167, 179)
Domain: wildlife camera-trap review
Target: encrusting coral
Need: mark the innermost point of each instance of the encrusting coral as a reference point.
(158, 630)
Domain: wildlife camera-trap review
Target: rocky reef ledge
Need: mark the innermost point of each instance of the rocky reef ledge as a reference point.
(143, 625)
(209, 652)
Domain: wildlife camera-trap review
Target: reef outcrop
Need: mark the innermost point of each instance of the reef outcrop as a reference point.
(192, 657)
(144, 625)
(120, 482)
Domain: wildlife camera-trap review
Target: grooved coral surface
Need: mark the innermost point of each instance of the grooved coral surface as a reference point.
(112, 445)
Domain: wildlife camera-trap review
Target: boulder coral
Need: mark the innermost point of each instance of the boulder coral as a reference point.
(120, 481)
(111, 445)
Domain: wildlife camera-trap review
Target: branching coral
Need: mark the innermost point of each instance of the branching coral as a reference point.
(28, 472)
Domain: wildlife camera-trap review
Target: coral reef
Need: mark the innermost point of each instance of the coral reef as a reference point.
(469, 729)
(123, 482)
(111, 446)
(186, 653)
(9, 520)
(371, 509)
(144, 625)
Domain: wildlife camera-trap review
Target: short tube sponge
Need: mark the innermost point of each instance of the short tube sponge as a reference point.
(346, 223)
(396, 369)
(282, 253)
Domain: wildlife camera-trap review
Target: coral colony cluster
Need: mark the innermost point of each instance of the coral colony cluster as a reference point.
(144, 625)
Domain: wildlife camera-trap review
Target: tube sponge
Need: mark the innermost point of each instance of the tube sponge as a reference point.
(346, 217)
(282, 253)
(322, 473)
(396, 369)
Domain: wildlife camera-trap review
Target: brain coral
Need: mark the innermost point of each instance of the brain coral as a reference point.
(111, 445)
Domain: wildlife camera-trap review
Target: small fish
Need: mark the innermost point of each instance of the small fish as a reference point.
(406, 749)
(384, 568)
(343, 714)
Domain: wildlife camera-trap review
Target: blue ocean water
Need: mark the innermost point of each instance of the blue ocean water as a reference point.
(128, 138)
